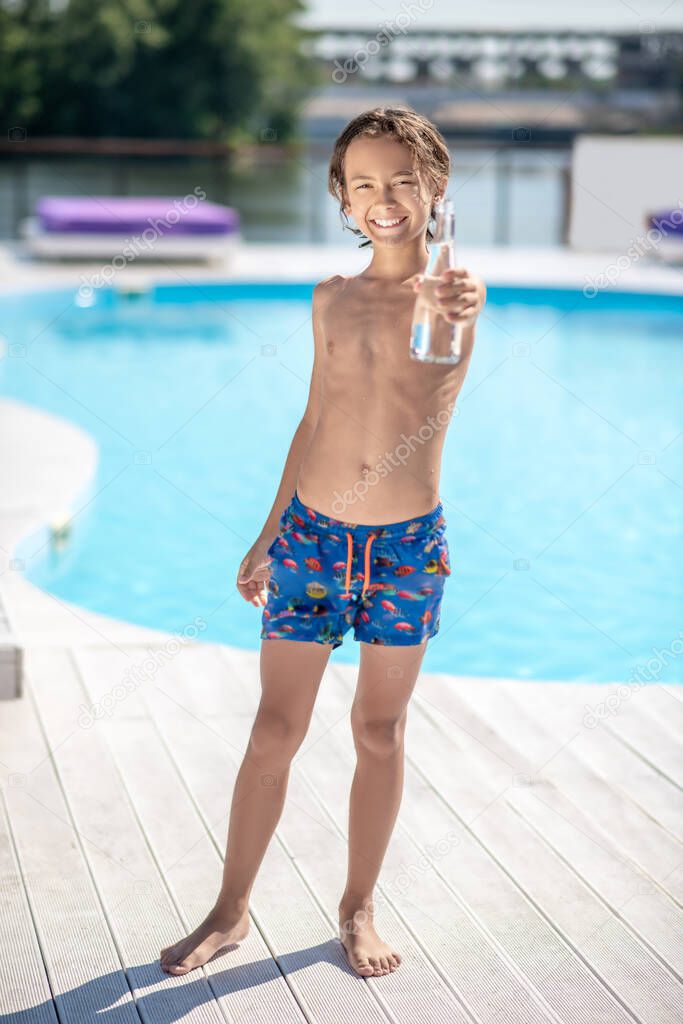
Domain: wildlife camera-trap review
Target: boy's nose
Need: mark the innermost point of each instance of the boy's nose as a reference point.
(387, 196)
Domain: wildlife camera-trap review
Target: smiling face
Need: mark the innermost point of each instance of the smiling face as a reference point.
(389, 200)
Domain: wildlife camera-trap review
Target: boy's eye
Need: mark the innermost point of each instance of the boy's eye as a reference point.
(404, 181)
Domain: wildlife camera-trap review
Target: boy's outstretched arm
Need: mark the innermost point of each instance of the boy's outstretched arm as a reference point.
(253, 569)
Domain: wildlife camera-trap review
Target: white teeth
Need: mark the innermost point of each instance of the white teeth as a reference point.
(387, 223)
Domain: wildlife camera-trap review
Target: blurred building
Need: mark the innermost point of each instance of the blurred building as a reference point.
(485, 85)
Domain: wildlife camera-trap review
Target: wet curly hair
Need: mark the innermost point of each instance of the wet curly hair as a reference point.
(404, 124)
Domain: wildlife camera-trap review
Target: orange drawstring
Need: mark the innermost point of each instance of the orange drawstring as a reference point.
(348, 563)
(366, 575)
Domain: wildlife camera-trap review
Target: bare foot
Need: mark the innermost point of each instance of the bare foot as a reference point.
(220, 928)
(366, 952)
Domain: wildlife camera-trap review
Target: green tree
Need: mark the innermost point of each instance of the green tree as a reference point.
(24, 30)
(211, 69)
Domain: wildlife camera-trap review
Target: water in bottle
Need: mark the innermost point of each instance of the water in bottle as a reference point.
(433, 339)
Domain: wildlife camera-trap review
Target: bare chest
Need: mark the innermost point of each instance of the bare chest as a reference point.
(360, 335)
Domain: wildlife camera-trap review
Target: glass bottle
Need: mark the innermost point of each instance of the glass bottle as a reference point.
(433, 339)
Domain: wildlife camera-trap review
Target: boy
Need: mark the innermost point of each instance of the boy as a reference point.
(356, 536)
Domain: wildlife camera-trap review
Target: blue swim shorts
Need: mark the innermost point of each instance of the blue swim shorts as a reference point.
(327, 576)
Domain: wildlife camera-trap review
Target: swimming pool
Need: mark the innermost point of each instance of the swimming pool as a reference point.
(561, 476)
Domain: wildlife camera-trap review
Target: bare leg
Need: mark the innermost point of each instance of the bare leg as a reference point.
(291, 672)
(379, 713)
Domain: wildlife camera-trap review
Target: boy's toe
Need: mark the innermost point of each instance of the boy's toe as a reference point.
(180, 968)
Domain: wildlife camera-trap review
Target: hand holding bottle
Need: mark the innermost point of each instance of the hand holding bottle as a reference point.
(454, 294)
(448, 297)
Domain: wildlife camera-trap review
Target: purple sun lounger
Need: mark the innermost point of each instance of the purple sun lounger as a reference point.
(162, 226)
(668, 243)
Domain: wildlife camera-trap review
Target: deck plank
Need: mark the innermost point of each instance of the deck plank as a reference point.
(25, 993)
(650, 736)
(593, 929)
(661, 700)
(131, 889)
(80, 956)
(573, 719)
(632, 833)
(573, 830)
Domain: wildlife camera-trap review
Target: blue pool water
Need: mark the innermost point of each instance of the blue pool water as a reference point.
(561, 476)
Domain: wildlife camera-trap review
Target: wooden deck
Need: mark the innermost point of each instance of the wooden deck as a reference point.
(535, 874)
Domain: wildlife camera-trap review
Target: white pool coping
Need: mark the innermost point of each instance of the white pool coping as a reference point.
(47, 468)
(304, 263)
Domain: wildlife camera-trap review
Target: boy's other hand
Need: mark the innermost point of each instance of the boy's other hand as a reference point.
(459, 297)
(253, 572)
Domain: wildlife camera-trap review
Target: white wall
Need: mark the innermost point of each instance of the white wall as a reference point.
(616, 182)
